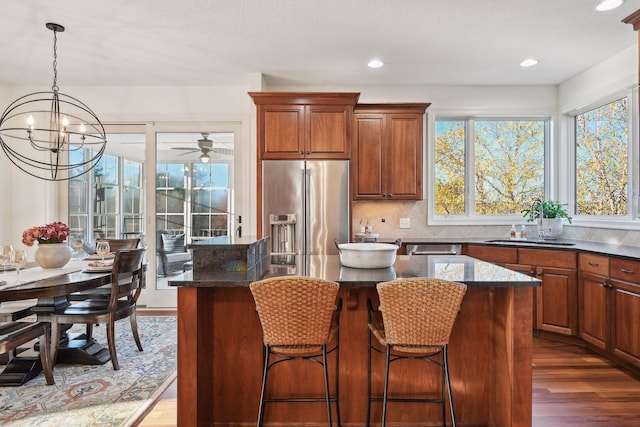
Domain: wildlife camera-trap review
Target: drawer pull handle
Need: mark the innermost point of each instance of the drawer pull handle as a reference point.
(624, 270)
(594, 264)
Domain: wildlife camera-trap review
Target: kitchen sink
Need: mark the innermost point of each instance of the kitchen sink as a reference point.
(531, 242)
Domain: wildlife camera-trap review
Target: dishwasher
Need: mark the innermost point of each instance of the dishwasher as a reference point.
(434, 249)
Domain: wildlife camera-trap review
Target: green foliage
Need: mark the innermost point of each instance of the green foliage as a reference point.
(550, 209)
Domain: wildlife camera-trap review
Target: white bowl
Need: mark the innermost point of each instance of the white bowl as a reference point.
(367, 255)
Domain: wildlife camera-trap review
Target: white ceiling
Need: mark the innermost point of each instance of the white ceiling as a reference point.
(307, 42)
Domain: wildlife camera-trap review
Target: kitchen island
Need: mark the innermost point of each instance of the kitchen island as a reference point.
(220, 345)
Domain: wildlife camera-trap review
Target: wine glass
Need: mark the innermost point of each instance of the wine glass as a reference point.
(18, 260)
(102, 249)
(5, 256)
(76, 244)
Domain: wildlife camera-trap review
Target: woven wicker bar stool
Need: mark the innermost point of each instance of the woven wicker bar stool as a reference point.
(299, 318)
(414, 321)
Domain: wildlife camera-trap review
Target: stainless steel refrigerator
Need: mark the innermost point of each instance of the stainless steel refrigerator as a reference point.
(305, 205)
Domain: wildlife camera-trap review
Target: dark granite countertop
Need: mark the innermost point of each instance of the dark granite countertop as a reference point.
(223, 241)
(457, 268)
(631, 252)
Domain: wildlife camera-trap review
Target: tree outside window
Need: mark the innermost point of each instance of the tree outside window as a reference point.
(602, 146)
(507, 166)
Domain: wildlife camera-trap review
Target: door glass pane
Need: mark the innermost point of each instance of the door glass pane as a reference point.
(193, 177)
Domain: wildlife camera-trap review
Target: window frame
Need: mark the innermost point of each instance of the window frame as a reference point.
(469, 217)
(632, 219)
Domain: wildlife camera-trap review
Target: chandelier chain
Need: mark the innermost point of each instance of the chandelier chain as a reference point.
(55, 88)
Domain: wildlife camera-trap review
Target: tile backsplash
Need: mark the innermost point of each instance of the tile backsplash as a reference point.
(391, 212)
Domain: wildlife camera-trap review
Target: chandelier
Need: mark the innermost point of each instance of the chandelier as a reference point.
(50, 135)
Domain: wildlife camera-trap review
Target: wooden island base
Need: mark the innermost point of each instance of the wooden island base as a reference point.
(220, 361)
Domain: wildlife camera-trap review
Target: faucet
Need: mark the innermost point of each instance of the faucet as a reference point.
(540, 216)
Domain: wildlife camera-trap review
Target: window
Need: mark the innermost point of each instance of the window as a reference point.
(194, 184)
(602, 160)
(132, 200)
(488, 167)
(210, 200)
(108, 201)
(171, 197)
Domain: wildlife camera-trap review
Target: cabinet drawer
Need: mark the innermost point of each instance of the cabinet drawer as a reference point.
(547, 258)
(596, 264)
(624, 269)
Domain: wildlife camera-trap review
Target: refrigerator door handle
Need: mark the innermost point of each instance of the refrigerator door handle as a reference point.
(306, 180)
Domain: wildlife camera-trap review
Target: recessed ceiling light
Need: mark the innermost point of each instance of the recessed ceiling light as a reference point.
(529, 62)
(375, 63)
(605, 5)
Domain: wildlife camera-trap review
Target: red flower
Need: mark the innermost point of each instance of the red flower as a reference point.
(56, 232)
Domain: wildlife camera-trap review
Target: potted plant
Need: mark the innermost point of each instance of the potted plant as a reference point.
(553, 212)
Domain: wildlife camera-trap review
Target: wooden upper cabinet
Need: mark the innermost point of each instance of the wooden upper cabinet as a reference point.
(387, 151)
(298, 125)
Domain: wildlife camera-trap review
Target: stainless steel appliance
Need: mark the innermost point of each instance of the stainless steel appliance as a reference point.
(283, 234)
(434, 249)
(315, 193)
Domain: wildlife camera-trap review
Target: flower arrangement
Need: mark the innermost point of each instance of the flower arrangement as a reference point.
(56, 232)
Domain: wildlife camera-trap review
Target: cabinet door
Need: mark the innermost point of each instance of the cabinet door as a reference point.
(593, 296)
(625, 309)
(281, 131)
(557, 301)
(403, 166)
(368, 154)
(328, 131)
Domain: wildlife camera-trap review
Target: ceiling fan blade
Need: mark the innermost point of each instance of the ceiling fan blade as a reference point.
(223, 151)
(189, 152)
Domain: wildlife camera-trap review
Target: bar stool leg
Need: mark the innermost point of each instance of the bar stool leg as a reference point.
(266, 354)
(326, 382)
(338, 380)
(445, 356)
(369, 383)
(386, 387)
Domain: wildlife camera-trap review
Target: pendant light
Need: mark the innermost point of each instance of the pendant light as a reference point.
(50, 135)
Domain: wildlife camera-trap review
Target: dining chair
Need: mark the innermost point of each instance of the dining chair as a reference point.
(117, 244)
(127, 280)
(15, 334)
(105, 291)
(299, 318)
(414, 321)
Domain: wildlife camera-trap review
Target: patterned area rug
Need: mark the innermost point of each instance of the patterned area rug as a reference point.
(98, 395)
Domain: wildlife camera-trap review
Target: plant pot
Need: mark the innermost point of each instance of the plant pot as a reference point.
(552, 228)
(52, 255)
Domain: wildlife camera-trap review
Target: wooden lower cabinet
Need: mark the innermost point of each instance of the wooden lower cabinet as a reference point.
(556, 301)
(496, 255)
(594, 310)
(625, 309)
(609, 307)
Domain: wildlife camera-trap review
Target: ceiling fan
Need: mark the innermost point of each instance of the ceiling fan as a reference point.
(205, 145)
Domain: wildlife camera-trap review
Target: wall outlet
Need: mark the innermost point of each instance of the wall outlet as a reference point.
(405, 222)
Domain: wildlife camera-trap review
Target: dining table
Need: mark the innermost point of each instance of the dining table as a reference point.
(50, 289)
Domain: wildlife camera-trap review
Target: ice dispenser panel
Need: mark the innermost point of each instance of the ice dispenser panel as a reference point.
(283, 233)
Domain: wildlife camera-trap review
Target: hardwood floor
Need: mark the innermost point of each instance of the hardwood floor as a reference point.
(572, 387)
